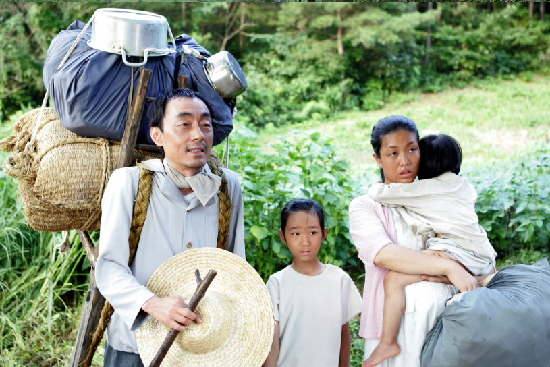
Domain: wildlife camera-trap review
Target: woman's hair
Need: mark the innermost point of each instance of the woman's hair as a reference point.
(157, 109)
(302, 205)
(439, 153)
(386, 126)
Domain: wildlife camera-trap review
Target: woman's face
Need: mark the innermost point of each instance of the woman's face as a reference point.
(399, 156)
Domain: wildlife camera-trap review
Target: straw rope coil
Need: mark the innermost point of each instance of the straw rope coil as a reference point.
(236, 311)
(215, 165)
(61, 176)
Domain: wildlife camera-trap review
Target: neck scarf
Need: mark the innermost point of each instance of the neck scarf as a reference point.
(205, 185)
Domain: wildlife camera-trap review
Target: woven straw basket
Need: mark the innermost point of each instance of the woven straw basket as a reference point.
(61, 175)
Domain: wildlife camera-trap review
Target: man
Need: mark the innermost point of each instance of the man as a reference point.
(183, 213)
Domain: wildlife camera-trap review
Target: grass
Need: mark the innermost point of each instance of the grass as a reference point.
(41, 291)
(492, 119)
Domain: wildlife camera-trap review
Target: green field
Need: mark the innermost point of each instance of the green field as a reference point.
(492, 119)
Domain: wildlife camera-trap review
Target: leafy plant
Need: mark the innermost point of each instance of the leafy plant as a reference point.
(298, 165)
(513, 203)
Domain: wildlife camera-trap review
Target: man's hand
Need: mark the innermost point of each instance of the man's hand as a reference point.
(171, 311)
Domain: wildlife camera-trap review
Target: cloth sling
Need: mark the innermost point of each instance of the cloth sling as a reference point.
(145, 187)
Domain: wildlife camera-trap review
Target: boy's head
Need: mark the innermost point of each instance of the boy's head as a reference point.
(303, 228)
(439, 153)
(302, 205)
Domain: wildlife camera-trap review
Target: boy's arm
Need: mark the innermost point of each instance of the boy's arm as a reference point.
(402, 194)
(389, 195)
(345, 346)
(273, 355)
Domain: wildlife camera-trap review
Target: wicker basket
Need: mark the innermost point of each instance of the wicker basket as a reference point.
(61, 175)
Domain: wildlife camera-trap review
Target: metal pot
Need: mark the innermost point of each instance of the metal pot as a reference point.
(130, 33)
(225, 75)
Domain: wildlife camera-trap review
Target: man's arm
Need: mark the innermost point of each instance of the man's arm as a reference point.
(113, 275)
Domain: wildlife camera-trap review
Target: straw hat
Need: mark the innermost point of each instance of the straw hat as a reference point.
(237, 313)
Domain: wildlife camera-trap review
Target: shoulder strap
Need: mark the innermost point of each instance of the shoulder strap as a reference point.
(224, 201)
(145, 186)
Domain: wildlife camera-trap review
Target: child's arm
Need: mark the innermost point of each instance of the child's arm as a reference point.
(273, 355)
(391, 195)
(345, 346)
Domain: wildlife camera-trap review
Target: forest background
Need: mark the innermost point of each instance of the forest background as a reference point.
(320, 75)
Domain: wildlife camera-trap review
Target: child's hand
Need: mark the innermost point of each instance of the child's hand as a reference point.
(461, 278)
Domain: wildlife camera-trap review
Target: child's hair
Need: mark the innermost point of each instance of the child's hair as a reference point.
(439, 153)
(302, 205)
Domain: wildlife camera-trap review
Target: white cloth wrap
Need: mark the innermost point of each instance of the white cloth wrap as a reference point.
(204, 184)
(424, 302)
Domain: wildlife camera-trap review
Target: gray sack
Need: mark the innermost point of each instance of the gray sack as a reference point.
(506, 324)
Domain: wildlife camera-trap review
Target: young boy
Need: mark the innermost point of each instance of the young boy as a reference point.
(313, 302)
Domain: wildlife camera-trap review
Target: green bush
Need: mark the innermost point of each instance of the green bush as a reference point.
(298, 166)
(513, 203)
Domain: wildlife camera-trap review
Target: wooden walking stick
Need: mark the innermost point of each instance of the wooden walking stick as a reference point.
(91, 312)
(172, 334)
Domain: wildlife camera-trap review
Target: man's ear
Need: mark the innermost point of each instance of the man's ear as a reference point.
(282, 237)
(156, 135)
(325, 230)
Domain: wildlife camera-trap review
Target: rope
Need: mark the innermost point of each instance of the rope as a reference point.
(215, 165)
(138, 218)
(145, 187)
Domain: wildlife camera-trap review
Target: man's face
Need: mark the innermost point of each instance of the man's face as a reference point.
(188, 135)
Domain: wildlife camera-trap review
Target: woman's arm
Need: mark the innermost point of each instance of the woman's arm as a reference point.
(345, 346)
(408, 261)
(370, 225)
(273, 355)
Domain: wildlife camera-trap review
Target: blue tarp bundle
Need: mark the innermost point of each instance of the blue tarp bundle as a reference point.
(506, 324)
(90, 91)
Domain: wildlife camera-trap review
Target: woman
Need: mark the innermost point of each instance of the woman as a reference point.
(385, 242)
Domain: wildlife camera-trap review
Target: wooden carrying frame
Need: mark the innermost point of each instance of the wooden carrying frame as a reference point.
(94, 301)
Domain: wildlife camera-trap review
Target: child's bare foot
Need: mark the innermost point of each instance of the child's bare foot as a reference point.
(382, 352)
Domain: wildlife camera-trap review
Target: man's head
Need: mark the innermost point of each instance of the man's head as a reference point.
(181, 123)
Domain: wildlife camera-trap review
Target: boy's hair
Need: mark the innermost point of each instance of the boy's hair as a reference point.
(302, 205)
(439, 153)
